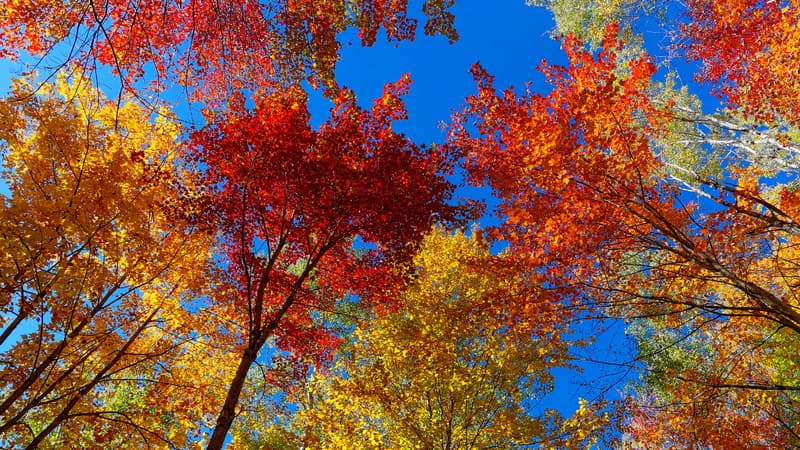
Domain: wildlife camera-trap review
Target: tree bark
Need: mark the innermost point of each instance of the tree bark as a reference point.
(228, 413)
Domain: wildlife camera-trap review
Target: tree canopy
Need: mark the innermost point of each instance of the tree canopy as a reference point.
(269, 276)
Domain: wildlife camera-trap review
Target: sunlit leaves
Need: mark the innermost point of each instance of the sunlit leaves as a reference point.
(95, 267)
(587, 20)
(455, 366)
(552, 159)
(748, 47)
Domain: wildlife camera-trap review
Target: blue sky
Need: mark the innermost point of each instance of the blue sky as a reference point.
(507, 37)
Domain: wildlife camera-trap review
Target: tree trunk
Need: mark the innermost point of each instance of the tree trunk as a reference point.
(228, 413)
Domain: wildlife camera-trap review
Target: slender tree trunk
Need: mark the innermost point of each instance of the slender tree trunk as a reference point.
(260, 336)
(228, 413)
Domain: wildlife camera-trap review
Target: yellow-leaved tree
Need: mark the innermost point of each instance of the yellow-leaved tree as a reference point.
(94, 269)
(456, 365)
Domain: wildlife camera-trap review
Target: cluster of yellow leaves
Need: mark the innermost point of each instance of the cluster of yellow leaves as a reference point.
(583, 428)
(95, 272)
(453, 367)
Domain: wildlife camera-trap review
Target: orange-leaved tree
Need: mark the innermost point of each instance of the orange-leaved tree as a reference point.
(586, 198)
(573, 170)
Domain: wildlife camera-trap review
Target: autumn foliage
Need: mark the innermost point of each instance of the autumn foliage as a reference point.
(288, 202)
(259, 279)
(452, 367)
(571, 166)
(748, 49)
(90, 295)
(584, 199)
(211, 47)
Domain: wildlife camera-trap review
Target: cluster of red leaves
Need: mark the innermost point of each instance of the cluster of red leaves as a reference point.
(749, 48)
(214, 47)
(284, 192)
(288, 203)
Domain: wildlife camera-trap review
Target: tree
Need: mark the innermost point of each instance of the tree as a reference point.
(95, 267)
(453, 367)
(287, 203)
(581, 178)
(723, 384)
